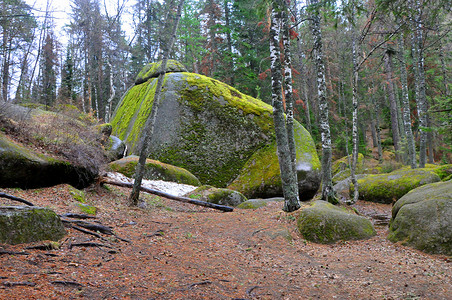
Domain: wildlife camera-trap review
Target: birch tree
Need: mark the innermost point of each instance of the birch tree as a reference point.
(327, 184)
(150, 122)
(288, 176)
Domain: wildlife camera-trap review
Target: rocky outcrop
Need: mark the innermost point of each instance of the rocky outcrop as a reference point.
(322, 222)
(21, 167)
(388, 188)
(213, 131)
(217, 195)
(423, 219)
(25, 224)
(154, 170)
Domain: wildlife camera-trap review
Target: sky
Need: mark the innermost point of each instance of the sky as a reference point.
(62, 8)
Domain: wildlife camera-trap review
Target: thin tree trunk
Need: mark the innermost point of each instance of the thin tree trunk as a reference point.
(150, 122)
(327, 184)
(112, 94)
(288, 90)
(289, 182)
(355, 136)
(376, 106)
(229, 41)
(406, 106)
(392, 102)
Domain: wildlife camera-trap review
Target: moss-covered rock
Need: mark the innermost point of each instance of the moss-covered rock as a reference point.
(343, 164)
(325, 223)
(206, 127)
(423, 218)
(220, 196)
(25, 224)
(115, 148)
(77, 195)
(257, 203)
(152, 70)
(23, 168)
(260, 176)
(154, 170)
(388, 188)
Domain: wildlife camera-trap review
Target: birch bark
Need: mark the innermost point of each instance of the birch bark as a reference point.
(406, 105)
(327, 185)
(355, 136)
(289, 182)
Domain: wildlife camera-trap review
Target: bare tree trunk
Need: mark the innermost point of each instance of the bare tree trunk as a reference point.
(406, 106)
(377, 125)
(288, 179)
(288, 90)
(327, 184)
(229, 41)
(392, 102)
(150, 122)
(112, 94)
(355, 136)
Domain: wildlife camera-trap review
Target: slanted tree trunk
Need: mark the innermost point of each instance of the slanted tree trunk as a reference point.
(392, 102)
(406, 106)
(289, 182)
(150, 122)
(327, 184)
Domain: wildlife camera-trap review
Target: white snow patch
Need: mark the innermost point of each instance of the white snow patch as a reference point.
(303, 166)
(173, 188)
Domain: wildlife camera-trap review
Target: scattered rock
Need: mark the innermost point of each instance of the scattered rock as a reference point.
(220, 196)
(256, 203)
(154, 170)
(387, 188)
(25, 224)
(423, 218)
(325, 223)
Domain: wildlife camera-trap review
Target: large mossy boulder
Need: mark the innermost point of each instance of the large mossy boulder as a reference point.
(154, 170)
(25, 224)
(388, 188)
(208, 128)
(322, 222)
(22, 167)
(214, 195)
(423, 219)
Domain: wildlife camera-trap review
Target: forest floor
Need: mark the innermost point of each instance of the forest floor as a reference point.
(181, 251)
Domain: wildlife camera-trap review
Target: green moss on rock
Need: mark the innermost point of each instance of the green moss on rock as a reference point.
(20, 224)
(77, 195)
(154, 170)
(206, 127)
(220, 196)
(387, 188)
(325, 223)
(152, 70)
(423, 219)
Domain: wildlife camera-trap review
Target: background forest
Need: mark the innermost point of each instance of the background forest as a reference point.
(401, 63)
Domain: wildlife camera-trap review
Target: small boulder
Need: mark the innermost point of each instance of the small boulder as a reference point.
(214, 195)
(257, 203)
(423, 219)
(116, 148)
(25, 224)
(154, 170)
(387, 188)
(325, 223)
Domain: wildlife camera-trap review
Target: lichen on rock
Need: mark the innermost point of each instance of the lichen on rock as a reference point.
(24, 224)
(389, 187)
(154, 170)
(214, 195)
(423, 218)
(322, 222)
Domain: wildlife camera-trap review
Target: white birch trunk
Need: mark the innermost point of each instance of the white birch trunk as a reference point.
(288, 179)
(112, 94)
(327, 184)
(355, 137)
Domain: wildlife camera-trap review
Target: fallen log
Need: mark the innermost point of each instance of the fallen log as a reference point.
(169, 196)
(11, 197)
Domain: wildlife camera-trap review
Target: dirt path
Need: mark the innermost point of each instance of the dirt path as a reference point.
(178, 251)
